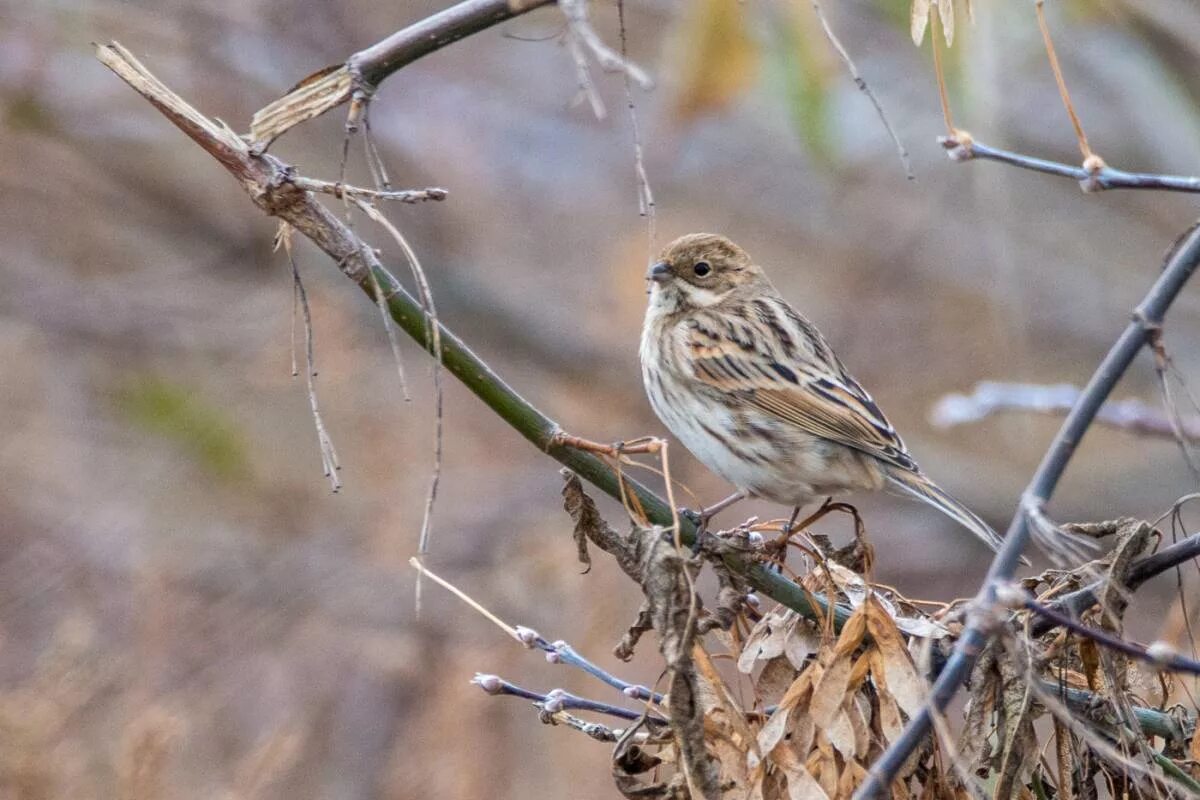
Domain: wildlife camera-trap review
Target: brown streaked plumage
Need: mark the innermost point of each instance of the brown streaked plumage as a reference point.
(753, 390)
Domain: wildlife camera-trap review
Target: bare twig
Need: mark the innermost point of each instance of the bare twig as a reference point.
(329, 459)
(962, 147)
(357, 78)
(1140, 571)
(581, 29)
(991, 397)
(556, 699)
(1148, 315)
(940, 73)
(1090, 159)
(339, 189)
(863, 87)
(558, 652)
(1158, 654)
(645, 196)
(434, 345)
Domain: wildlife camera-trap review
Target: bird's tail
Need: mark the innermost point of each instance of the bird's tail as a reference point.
(917, 485)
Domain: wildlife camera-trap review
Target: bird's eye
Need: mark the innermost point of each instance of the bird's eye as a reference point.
(701, 268)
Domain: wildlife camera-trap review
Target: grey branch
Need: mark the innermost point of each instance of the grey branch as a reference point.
(1094, 177)
(365, 70)
(1147, 318)
(993, 397)
(557, 699)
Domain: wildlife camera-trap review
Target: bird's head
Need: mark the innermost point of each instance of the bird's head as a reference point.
(699, 270)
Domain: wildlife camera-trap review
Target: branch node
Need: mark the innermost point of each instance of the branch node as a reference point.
(959, 147)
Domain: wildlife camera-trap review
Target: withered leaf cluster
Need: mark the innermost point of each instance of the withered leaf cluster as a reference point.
(777, 705)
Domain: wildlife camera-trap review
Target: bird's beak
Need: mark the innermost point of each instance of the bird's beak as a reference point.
(659, 273)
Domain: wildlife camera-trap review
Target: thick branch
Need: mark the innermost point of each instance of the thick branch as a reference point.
(1147, 317)
(405, 46)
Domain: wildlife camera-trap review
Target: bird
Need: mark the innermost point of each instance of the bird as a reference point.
(752, 389)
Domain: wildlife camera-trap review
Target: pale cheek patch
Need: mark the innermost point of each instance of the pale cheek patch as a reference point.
(699, 296)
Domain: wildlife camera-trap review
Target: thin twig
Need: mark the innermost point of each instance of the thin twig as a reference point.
(1089, 158)
(865, 89)
(556, 699)
(400, 195)
(433, 344)
(962, 147)
(361, 74)
(1156, 654)
(565, 654)
(329, 459)
(1149, 314)
(645, 196)
(578, 24)
(1140, 571)
(943, 95)
(558, 652)
(421, 569)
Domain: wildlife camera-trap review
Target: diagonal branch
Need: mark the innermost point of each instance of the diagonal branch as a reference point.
(269, 182)
(1147, 318)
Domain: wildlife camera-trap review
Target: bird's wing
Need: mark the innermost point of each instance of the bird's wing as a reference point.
(792, 375)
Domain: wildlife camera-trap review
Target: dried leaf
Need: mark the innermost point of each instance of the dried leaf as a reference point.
(801, 785)
(857, 711)
(1020, 743)
(804, 731)
(774, 680)
(841, 734)
(918, 20)
(1089, 656)
(732, 740)
(851, 777)
(802, 640)
(823, 766)
(946, 14)
(773, 731)
(890, 721)
(976, 747)
(767, 639)
(310, 98)
(827, 697)
(899, 673)
(714, 56)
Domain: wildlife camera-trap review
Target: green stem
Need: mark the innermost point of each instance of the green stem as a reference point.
(1171, 768)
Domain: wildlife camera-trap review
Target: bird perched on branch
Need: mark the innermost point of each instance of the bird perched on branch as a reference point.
(752, 389)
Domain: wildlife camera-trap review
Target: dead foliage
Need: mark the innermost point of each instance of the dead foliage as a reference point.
(775, 705)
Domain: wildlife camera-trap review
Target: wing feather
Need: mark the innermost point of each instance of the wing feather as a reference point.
(795, 378)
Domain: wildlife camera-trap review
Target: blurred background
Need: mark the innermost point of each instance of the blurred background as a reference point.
(185, 608)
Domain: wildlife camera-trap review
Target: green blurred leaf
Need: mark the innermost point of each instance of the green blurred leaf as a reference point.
(801, 63)
(174, 412)
(24, 111)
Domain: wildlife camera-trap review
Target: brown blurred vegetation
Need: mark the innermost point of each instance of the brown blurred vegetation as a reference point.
(188, 612)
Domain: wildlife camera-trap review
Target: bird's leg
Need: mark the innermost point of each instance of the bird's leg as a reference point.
(779, 546)
(701, 518)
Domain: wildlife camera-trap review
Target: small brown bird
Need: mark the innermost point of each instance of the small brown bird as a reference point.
(752, 389)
